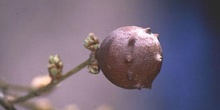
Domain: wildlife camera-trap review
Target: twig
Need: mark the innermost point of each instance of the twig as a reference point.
(39, 91)
(55, 67)
(6, 86)
(5, 103)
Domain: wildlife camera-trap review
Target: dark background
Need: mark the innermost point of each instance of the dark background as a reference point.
(31, 30)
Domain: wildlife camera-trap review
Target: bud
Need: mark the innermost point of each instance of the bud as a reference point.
(91, 42)
(93, 66)
(55, 67)
(40, 81)
(43, 104)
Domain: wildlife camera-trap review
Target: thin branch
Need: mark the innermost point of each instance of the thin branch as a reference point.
(51, 85)
(14, 87)
(5, 103)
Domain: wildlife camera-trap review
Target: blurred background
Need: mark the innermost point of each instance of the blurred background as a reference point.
(32, 30)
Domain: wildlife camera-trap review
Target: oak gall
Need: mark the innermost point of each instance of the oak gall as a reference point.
(130, 57)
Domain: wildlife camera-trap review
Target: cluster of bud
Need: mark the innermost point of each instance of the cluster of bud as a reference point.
(55, 67)
(92, 44)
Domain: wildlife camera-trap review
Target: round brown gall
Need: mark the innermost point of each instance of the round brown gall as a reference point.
(130, 57)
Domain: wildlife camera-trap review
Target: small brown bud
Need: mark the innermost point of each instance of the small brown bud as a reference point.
(91, 42)
(40, 81)
(55, 67)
